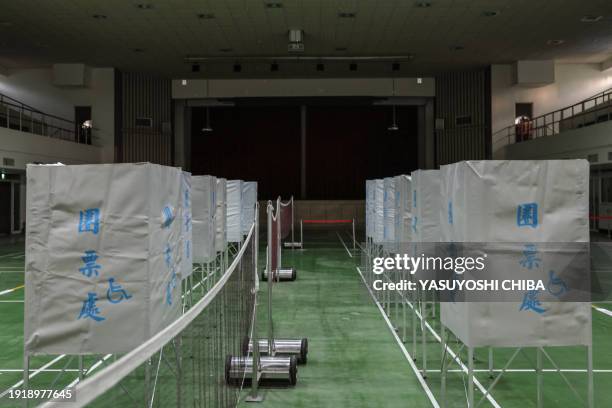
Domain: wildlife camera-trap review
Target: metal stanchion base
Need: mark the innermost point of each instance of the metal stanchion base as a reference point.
(283, 369)
(282, 347)
(284, 274)
(292, 244)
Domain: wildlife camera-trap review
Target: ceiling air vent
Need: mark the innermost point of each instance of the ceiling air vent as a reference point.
(7, 161)
(144, 122)
(465, 120)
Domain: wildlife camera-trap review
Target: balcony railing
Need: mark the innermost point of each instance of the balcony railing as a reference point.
(19, 116)
(590, 111)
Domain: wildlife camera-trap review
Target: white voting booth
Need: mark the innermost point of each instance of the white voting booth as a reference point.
(498, 190)
(389, 212)
(425, 200)
(249, 203)
(523, 202)
(378, 212)
(220, 221)
(204, 209)
(103, 256)
(234, 210)
(403, 210)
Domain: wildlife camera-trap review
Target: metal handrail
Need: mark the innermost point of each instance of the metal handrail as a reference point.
(580, 114)
(20, 116)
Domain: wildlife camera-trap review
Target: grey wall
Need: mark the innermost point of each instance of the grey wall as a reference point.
(144, 96)
(460, 94)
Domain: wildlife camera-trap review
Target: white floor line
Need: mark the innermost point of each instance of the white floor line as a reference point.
(345, 247)
(409, 358)
(11, 301)
(449, 351)
(89, 371)
(12, 254)
(6, 292)
(522, 370)
(46, 370)
(34, 374)
(604, 311)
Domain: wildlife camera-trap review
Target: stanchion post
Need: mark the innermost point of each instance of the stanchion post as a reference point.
(353, 234)
(254, 395)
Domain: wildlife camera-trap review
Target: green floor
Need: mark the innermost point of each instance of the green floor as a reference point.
(354, 359)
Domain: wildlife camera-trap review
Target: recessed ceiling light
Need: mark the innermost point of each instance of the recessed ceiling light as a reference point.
(206, 16)
(423, 4)
(590, 18)
(341, 49)
(457, 47)
(144, 6)
(347, 14)
(555, 42)
(491, 13)
(100, 16)
(226, 49)
(274, 5)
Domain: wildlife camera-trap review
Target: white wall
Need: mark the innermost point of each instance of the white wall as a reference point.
(35, 87)
(571, 144)
(27, 148)
(573, 83)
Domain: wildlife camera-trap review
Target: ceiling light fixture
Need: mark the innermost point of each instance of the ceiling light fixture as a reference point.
(393, 126)
(555, 42)
(207, 127)
(590, 19)
(274, 5)
(491, 13)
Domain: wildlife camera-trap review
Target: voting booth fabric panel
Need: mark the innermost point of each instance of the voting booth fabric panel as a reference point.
(234, 210)
(369, 204)
(403, 210)
(523, 202)
(220, 221)
(204, 208)
(379, 212)
(249, 200)
(389, 210)
(103, 256)
(426, 205)
(186, 225)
